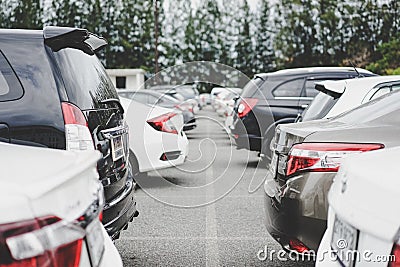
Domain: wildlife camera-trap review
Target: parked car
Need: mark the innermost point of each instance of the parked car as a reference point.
(158, 140)
(172, 90)
(279, 97)
(361, 221)
(56, 94)
(190, 93)
(336, 97)
(225, 101)
(205, 99)
(214, 92)
(51, 209)
(306, 158)
(160, 99)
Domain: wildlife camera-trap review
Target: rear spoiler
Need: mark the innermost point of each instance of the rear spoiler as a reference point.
(58, 38)
(332, 88)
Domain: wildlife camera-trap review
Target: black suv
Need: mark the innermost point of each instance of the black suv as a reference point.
(279, 97)
(55, 93)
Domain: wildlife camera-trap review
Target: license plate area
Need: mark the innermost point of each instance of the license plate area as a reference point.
(117, 147)
(344, 242)
(95, 242)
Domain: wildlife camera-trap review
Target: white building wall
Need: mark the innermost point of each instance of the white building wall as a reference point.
(134, 77)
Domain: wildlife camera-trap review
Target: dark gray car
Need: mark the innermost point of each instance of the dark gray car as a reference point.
(305, 160)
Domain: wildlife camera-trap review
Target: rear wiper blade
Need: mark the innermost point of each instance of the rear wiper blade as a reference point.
(115, 101)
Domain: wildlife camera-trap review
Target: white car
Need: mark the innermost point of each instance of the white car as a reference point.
(337, 97)
(51, 205)
(363, 218)
(156, 136)
(205, 99)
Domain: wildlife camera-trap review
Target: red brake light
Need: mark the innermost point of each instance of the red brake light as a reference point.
(246, 105)
(72, 114)
(27, 251)
(322, 157)
(77, 133)
(163, 123)
(298, 246)
(396, 256)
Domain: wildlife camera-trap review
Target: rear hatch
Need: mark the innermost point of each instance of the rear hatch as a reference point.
(89, 88)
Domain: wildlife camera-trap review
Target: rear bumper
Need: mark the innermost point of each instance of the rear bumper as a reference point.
(120, 210)
(298, 210)
(249, 142)
(151, 159)
(190, 125)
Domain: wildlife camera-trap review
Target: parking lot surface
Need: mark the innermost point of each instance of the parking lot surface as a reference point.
(176, 226)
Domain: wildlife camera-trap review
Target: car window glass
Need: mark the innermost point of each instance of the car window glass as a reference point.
(310, 90)
(169, 99)
(187, 92)
(319, 108)
(125, 95)
(85, 78)
(381, 91)
(10, 87)
(291, 88)
(139, 97)
(4, 88)
(395, 87)
(152, 100)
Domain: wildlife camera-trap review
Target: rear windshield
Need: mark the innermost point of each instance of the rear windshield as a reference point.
(319, 108)
(85, 78)
(186, 91)
(10, 87)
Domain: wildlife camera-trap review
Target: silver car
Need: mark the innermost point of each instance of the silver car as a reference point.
(305, 160)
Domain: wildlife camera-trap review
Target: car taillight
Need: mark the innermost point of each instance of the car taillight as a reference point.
(163, 123)
(396, 256)
(77, 133)
(40, 242)
(298, 246)
(245, 106)
(322, 157)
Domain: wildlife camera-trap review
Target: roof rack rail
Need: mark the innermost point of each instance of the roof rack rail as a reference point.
(58, 38)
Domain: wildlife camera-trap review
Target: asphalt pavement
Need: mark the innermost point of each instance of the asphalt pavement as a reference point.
(206, 212)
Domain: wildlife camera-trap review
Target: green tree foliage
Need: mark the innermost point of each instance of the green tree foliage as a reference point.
(25, 14)
(388, 58)
(264, 56)
(279, 34)
(244, 46)
(297, 36)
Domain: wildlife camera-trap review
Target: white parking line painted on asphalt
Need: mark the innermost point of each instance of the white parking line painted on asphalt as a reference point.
(212, 253)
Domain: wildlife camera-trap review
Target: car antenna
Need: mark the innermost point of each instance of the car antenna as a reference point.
(355, 69)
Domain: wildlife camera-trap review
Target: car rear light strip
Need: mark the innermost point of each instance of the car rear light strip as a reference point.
(322, 157)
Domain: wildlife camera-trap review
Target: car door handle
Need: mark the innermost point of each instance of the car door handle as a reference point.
(304, 106)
